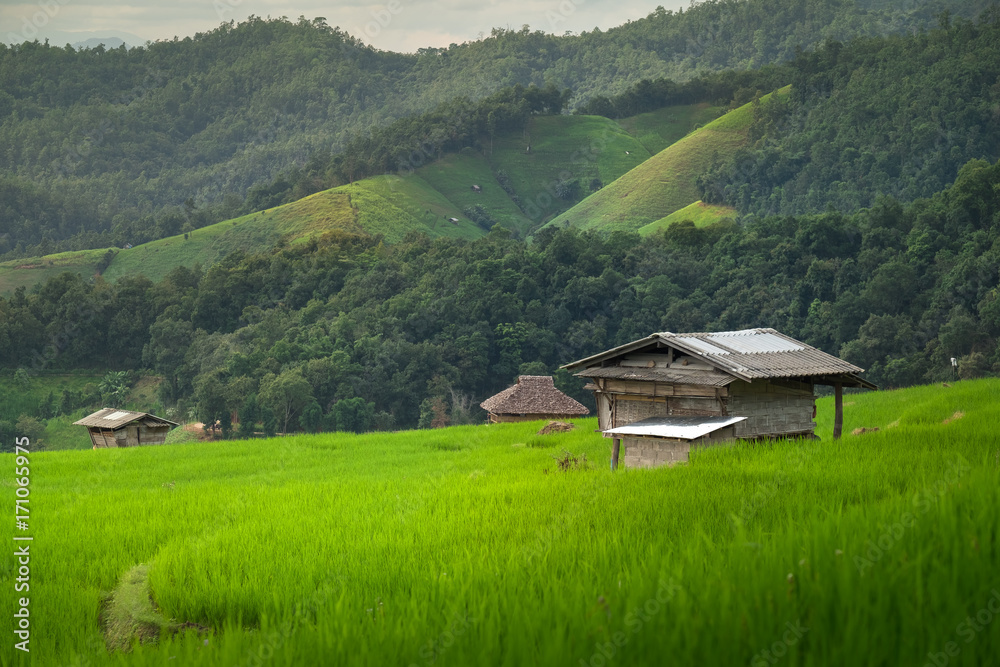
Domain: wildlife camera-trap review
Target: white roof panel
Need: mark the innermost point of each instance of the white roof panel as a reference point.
(685, 428)
(117, 415)
(704, 346)
(749, 342)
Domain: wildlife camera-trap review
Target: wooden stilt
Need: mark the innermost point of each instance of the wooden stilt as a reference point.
(616, 446)
(838, 409)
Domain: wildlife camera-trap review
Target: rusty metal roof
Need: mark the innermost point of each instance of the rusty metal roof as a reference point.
(114, 418)
(533, 394)
(670, 375)
(747, 355)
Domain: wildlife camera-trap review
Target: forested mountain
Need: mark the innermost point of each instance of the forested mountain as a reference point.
(891, 116)
(895, 115)
(346, 333)
(459, 194)
(173, 134)
(879, 153)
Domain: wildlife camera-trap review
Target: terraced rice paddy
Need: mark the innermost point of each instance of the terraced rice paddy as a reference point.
(469, 546)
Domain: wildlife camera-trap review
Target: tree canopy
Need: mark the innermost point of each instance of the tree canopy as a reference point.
(417, 332)
(102, 147)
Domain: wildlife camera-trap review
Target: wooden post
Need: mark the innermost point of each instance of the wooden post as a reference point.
(838, 409)
(614, 453)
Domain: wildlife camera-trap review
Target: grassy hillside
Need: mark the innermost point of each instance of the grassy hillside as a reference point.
(658, 129)
(700, 213)
(236, 106)
(663, 184)
(24, 397)
(453, 176)
(469, 546)
(578, 148)
(564, 148)
(31, 271)
(387, 205)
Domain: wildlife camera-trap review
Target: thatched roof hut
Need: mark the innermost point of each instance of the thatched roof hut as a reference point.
(667, 393)
(110, 427)
(533, 397)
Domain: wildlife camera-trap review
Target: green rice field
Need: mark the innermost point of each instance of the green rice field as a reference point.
(470, 546)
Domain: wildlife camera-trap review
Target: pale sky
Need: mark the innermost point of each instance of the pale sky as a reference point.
(392, 25)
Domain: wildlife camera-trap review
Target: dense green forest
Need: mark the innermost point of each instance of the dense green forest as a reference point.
(868, 201)
(346, 333)
(412, 142)
(891, 116)
(106, 147)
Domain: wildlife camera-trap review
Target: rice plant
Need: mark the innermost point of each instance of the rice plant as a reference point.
(464, 546)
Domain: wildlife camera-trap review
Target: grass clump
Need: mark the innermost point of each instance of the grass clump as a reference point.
(568, 461)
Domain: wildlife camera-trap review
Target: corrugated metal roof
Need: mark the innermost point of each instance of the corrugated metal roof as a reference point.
(671, 375)
(751, 341)
(761, 353)
(114, 418)
(533, 394)
(685, 428)
(705, 346)
(747, 354)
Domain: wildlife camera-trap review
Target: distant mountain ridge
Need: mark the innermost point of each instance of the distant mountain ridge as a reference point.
(106, 42)
(84, 39)
(100, 143)
(461, 195)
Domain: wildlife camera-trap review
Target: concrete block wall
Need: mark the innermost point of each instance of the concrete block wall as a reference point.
(654, 452)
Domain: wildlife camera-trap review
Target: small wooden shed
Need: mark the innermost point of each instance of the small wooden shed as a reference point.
(662, 395)
(533, 397)
(110, 427)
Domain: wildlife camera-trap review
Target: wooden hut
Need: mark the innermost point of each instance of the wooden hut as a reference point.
(666, 393)
(110, 427)
(533, 397)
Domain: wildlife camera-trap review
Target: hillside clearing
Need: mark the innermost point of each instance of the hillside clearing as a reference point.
(570, 149)
(433, 199)
(700, 213)
(29, 271)
(666, 182)
(656, 130)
